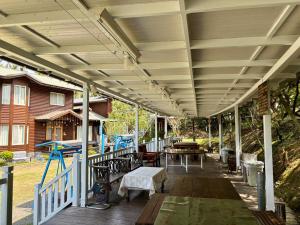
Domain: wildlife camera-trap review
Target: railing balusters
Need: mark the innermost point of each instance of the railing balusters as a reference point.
(62, 191)
(43, 215)
(49, 208)
(55, 196)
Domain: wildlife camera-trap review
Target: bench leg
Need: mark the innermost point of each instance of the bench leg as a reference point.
(128, 195)
(163, 187)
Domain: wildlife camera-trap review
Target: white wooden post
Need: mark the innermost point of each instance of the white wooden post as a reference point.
(269, 181)
(166, 127)
(156, 133)
(7, 196)
(220, 134)
(137, 128)
(36, 204)
(76, 179)
(237, 136)
(85, 135)
(209, 132)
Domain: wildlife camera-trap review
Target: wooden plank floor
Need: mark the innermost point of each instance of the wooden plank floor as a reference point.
(126, 213)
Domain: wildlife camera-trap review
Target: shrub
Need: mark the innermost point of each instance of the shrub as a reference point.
(92, 151)
(6, 155)
(2, 162)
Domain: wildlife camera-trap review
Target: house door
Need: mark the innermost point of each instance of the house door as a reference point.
(58, 133)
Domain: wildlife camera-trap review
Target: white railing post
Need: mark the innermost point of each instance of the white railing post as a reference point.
(36, 204)
(156, 133)
(137, 128)
(76, 179)
(237, 136)
(7, 196)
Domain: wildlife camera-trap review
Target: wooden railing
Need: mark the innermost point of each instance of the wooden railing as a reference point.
(57, 194)
(6, 187)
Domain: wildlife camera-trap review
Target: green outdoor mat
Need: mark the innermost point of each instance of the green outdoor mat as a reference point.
(204, 211)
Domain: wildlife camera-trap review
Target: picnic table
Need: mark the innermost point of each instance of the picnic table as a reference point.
(184, 152)
(205, 211)
(203, 187)
(213, 194)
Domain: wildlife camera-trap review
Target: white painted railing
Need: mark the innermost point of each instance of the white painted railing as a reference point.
(63, 190)
(161, 144)
(6, 187)
(57, 194)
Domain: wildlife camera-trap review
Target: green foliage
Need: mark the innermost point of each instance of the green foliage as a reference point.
(6, 155)
(92, 151)
(2, 162)
(123, 119)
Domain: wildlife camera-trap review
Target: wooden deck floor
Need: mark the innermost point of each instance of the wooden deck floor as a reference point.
(126, 213)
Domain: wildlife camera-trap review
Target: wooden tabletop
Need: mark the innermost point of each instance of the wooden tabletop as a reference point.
(201, 187)
(205, 211)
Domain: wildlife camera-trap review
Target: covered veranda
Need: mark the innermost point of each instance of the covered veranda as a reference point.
(174, 58)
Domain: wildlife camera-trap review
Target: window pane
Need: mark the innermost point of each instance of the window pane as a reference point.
(19, 95)
(90, 133)
(79, 133)
(49, 133)
(4, 135)
(57, 99)
(18, 134)
(6, 94)
(27, 137)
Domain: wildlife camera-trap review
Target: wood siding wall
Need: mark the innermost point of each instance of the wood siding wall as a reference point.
(39, 105)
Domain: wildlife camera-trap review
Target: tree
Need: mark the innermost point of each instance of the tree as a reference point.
(123, 119)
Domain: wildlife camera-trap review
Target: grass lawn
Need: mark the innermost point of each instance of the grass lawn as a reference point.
(26, 175)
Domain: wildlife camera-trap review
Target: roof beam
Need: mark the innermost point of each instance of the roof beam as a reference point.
(242, 42)
(222, 85)
(175, 65)
(185, 25)
(195, 6)
(117, 11)
(38, 62)
(285, 13)
(226, 76)
(292, 53)
(170, 45)
(233, 63)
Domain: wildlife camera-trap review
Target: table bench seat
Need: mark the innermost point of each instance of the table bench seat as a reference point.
(267, 218)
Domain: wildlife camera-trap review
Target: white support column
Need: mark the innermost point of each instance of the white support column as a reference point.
(7, 196)
(237, 136)
(209, 132)
(166, 126)
(85, 135)
(220, 134)
(269, 182)
(156, 133)
(137, 128)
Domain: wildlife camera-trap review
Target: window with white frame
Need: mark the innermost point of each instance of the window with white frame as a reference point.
(27, 135)
(18, 134)
(4, 128)
(49, 131)
(79, 133)
(19, 95)
(57, 99)
(6, 94)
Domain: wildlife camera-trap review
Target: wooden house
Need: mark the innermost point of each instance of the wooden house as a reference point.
(36, 108)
